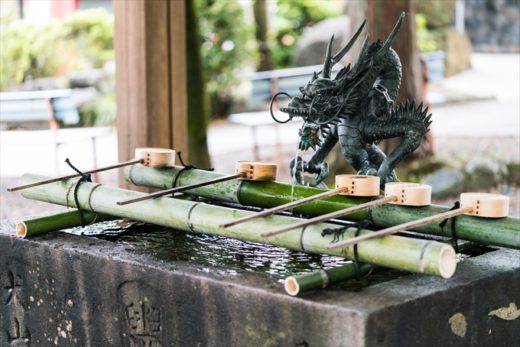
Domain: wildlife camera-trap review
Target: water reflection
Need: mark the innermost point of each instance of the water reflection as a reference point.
(207, 250)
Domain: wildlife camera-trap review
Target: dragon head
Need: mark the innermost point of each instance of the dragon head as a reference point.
(324, 98)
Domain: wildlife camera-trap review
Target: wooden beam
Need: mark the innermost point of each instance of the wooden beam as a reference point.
(178, 79)
(150, 75)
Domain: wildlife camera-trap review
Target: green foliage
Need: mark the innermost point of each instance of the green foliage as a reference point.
(92, 33)
(440, 14)
(27, 50)
(428, 41)
(100, 112)
(226, 43)
(293, 16)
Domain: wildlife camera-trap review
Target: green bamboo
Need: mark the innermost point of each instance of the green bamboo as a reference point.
(59, 221)
(489, 231)
(396, 252)
(297, 284)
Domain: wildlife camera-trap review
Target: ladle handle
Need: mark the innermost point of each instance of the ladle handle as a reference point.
(332, 215)
(181, 189)
(401, 227)
(284, 207)
(51, 180)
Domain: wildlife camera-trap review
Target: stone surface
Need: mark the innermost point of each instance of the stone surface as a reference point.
(484, 173)
(65, 290)
(314, 40)
(457, 48)
(445, 182)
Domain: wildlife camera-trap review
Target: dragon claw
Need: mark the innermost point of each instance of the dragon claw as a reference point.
(368, 171)
(299, 166)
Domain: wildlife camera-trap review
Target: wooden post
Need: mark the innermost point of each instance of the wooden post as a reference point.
(150, 76)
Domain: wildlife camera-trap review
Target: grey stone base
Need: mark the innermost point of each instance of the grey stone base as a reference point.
(68, 290)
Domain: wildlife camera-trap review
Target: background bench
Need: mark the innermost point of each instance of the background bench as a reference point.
(23, 109)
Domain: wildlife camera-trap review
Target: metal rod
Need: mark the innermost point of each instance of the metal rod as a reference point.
(181, 189)
(284, 207)
(401, 227)
(51, 180)
(332, 215)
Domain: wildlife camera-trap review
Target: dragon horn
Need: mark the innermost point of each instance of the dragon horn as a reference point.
(327, 65)
(363, 47)
(391, 37)
(349, 45)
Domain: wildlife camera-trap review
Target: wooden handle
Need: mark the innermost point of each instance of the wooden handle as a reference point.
(56, 179)
(256, 171)
(475, 204)
(401, 227)
(284, 207)
(485, 204)
(180, 189)
(409, 194)
(156, 157)
(358, 185)
(152, 157)
(331, 215)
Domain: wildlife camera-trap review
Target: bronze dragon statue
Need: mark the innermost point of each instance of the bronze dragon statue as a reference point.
(357, 109)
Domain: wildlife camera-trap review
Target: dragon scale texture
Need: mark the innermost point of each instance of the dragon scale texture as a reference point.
(357, 109)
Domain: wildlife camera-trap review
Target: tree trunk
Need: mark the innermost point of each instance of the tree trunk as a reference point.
(198, 102)
(382, 16)
(260, 12)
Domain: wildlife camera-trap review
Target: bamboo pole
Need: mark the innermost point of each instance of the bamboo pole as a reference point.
(413, 255)
(284, 207)
(402, 227)
(295, 285)
(65, 220)
(503, 232)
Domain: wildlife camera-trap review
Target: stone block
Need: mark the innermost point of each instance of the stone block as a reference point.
(66, 290)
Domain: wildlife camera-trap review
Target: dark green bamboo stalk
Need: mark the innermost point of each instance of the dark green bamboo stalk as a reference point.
(295, 285)
(59, 221)
(499, 232)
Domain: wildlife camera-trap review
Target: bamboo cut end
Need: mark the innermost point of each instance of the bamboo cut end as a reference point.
(409, 194)
(485, 204)
(156, 157)
(21, 230)
(291, 286)
(256, 171)
(447, 261)
(358, 185)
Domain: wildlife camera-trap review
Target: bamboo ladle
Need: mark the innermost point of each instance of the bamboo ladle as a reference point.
(349, 185)
(245, 170)
(398, 193)
(474, 204)
(147, 156)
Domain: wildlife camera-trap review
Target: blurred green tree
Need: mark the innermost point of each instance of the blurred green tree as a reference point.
(198, 112)
(227, 46)
(27, 50)
(292, 17)
(265, 62)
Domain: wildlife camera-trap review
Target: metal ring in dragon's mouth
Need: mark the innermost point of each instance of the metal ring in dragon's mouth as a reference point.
(271, 107)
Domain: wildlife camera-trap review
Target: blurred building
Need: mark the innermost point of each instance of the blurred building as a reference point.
(44, 10)
(493, 25)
